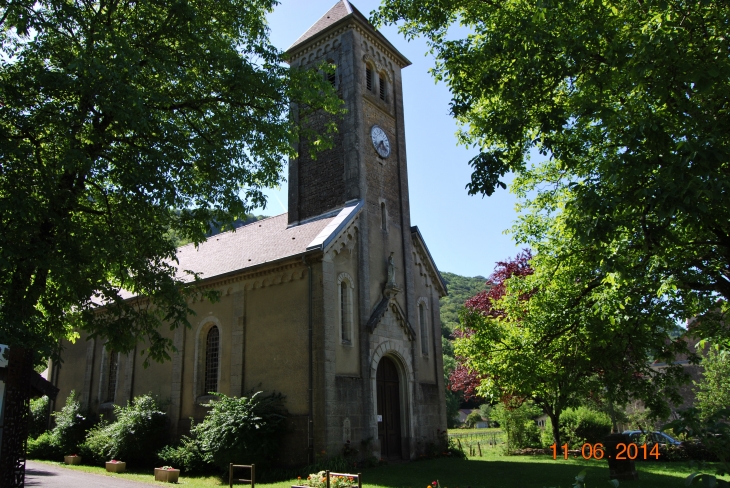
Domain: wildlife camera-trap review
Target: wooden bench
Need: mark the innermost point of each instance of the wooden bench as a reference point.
(231, 479)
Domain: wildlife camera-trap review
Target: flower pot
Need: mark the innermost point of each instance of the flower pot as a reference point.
(117, 467)
(167, 475)
(72, 459)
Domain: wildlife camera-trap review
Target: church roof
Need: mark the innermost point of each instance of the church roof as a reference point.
(260, 242)
(341, 12)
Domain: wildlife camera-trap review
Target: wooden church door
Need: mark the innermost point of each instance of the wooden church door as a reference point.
(389, 431)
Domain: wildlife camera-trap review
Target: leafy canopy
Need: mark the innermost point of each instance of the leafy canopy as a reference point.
(549, 334)
(628, 102)
(123, 127)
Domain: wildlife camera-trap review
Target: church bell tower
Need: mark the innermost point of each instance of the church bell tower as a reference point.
(367, 167)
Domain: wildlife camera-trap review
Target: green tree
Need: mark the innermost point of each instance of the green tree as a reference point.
(627, 102)
(123, 127)
(713, 392)
(552, 337)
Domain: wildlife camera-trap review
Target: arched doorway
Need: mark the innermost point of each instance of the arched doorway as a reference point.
(388, 392)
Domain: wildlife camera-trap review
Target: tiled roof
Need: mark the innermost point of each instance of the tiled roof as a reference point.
(338, 12)
(258, 243)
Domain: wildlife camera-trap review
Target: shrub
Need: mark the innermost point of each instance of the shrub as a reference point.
(472, 419)
(518, 424)
(139, 432)
(38, 416)
(247, 428)
(43, 447)
(71, 426)
(65, 438)
(581, 425)
(186, 456)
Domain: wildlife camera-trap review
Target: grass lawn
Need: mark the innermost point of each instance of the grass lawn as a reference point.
(491, 471)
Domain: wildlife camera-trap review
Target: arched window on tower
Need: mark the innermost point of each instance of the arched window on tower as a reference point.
(423, 321)
(212, 351)
(368, 77)
(382, 85)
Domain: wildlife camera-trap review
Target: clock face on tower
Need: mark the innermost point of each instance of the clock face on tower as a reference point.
(380, 141)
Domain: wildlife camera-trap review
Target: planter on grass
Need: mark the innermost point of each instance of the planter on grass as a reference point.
(167, 474)
(72, 459)
(115, 466)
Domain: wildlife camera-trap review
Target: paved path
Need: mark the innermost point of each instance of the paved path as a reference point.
(47, 475)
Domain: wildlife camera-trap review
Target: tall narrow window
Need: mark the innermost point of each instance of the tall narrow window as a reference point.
(344, 312)
(381, 84)
(212, 351)
(424, 328)
(344, 289)
(111, 384)
(383, 221)
(368, 78)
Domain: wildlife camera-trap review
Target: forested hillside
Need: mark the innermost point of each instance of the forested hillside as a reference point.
(461, 288)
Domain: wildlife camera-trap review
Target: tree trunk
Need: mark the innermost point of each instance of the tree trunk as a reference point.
(16, 417)
(555, 421)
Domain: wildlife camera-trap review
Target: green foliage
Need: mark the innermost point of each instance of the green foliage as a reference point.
(581, 425)
(186, 456)
(453, 403)
(44, 447)
(632, 132)
(486, 411)
(125, 126)
(247, 428)
(557, 340)
(472, 419)
(138, 433)
(461, 288)
(713, 391)
(71, 426)
(518, 424)
(38, 416)
(712, 431)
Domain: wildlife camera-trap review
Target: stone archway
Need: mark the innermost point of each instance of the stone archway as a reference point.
(388, 409)
(392, 353)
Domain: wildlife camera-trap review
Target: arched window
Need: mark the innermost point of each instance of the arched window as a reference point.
(382, 85)
(368, 77)
(111, 385)
(212, 351)
(346, 307)
(383, 220)
(422, 320)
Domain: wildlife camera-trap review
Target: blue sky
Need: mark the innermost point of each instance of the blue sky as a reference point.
(465, 234)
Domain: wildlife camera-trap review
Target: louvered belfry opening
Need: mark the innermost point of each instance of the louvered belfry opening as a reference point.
(381, 83)
(212, 350)
(369, 78)
(111, 389)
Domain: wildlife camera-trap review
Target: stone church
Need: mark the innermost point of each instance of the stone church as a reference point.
(335, 303)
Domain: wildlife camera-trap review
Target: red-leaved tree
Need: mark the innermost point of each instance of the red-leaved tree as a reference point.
(462, 379)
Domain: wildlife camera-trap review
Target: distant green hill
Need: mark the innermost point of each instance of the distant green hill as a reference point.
(461, 288)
